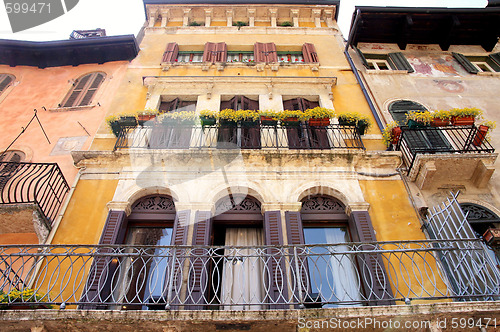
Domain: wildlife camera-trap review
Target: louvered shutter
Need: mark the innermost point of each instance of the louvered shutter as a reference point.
(179, 238)
(231, 104)
(221, 55)
(98, 286)
(462, 59)
(399, 60)
(373, 273)
(289, 105)
(271, 54)
(77, 90)
(275, 262)
(198, 274)
(362, 57)
(258, 52)
(309, 53)
(92, 89)
(5, 81)
(171, 52)
(295, 236)
(210, 52)
(495, 57)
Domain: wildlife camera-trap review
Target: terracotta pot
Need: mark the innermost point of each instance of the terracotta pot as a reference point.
(319, 122)
(492, 236)
(480, 135)
(268, 121)
(143, 118)
(396, 133)
(436, 122)
(462, 120)
(290, 122)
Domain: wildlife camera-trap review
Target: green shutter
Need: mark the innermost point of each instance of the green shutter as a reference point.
(462, 59)
(495, 57)
(399, 60)
(362, 57)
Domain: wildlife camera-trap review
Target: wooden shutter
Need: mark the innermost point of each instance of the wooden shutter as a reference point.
(290, 105)
(318, 138)
(249, 104)
(275, 262)
(179, 238)
(171, 52)
(198, 275)
(5, 81)
(98, 286)
(78, 87)
(231, 104)
(258, 52)
(375, 278)
(265, 52)
(221, 55)
(399, 60)
(362, 57)
(462, 59)
(209, 53)
(495, 57)
(309, 53)
(250, 137)
(92, 89)
(272, 55)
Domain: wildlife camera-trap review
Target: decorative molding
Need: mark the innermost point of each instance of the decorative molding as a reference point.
(322, 203)
(119, 206)
(478, 213)
(154, 203)
(357, 206)
(238, 204)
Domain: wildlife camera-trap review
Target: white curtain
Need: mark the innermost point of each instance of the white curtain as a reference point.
(345, 279)
(242, 273)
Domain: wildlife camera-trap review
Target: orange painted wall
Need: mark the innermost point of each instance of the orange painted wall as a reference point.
(35, 88)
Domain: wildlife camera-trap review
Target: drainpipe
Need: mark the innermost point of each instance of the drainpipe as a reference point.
(358, 78)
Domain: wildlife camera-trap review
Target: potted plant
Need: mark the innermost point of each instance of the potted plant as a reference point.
(146, 115)
(114, 125)
(27, 299)
(290, 118)
(208, 117)
(127, 120)
(361, 122)
(482, 132)
(464, 116)
(440, 118)
(178, 118)
(286, 24)
(391, 134)
(416, 119)
(245, 117)
(318, 116)
(269, 117)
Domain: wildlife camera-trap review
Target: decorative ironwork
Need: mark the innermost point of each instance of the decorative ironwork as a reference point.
(322, 203)
(477, 213)
(41, 184)
(154, 203)
(319, 275)
(237, 203)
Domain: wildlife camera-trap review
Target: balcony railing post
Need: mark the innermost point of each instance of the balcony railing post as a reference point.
(297, 276)
(171, 281)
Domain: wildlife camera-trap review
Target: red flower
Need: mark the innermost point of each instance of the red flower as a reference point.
(190, 60)
(302, 60)
(281, 59)
(175, 60)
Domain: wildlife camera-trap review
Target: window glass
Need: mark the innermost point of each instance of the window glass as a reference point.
(190, 56)
(290, 57)
(237, 56)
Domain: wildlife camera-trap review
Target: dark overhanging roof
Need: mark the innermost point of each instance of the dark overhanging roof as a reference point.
(68, 52)
(442, 26)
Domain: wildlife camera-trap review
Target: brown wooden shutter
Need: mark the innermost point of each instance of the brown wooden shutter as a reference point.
(198, 274)
(272, 55)
(275, 261)
(98, 286)
(171, 52)
(92, 89)
(375, 278)
(221, 55)
(5, 81)
(179, 238)
(231, 104)
(295, 236)
(289, 105)
(399, 60)
(209, 52)
(258, 52)
(309, 53)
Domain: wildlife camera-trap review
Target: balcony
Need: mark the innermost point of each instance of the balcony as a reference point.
(238, 136)
(249, 278)
(32, 183)
(446, 154)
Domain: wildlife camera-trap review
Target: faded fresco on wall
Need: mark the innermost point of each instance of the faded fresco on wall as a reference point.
(436, 66)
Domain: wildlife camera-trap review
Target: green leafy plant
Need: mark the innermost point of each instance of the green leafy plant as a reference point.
(209, 113)
(274, 115)
(286, 24)
(194, 24)
(442, 114)
(290, 114)
(355, 118)
(178, 117)
(490, 124)
(240, 24)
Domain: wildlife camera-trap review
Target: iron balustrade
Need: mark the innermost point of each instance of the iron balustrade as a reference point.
(239, 136)
(38, 183)
(432, 140)
(237, 278)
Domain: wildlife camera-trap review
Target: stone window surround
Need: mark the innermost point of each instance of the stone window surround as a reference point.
(209, 90)
(251, 14)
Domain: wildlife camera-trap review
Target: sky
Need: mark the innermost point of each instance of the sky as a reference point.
(122, 17)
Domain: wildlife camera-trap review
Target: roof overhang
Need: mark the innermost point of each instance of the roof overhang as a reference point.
(68, 52)
(442, 26)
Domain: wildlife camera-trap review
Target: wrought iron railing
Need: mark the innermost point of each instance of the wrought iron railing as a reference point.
(238, 136)
(431, 140)
(41, 184)
(263, 277)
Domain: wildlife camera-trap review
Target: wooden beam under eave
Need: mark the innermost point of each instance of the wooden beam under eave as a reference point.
(453, 23)
(405, 31)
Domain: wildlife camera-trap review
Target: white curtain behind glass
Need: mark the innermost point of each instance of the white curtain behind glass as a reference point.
(242, 276)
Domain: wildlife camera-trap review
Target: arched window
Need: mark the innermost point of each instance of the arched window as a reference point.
(398, 110)
(83, 90)
(5, 81)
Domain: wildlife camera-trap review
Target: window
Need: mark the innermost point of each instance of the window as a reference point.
(5, 81)
(400, 108)
(390, 61)
(215, 52)
(240, 56)
(177, 105)
(190, 56)
(83, 90)
(290, 57)
(231, 136)
(169, 136)
(479, 64)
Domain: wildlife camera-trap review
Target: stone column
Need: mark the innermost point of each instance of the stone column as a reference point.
(316, 15)
(251, 17)
(273, 12)
(208, 17)
(329, 18)
(164, 17)
(185, 19)
(229, 16)
(295, 17)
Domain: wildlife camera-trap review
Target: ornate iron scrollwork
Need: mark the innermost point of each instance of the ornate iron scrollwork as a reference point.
(154, 203)
(478, 213)
(322, 203)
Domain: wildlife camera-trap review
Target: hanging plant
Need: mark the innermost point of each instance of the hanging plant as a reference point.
(391, 133)
(362, 122)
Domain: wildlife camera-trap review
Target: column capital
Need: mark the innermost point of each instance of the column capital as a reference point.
(119, 206)
(357, 206)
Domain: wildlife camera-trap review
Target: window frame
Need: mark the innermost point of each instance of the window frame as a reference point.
(4, 86)
(81, 91)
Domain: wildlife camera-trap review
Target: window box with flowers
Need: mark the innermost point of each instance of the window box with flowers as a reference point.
(318, 116)
(208, 118)
(417, 119)
(482, 132)
(145, 117)
(464, 116)
(391, 134)
(440, 118)
(269, 117)
(178, 118)
(244, 117)
(361, 122)
(290, 118)
(23, 299)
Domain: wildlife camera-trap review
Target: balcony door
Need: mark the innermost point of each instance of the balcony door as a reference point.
(246, 137)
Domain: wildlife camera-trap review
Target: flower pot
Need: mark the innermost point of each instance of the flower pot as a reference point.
(436, 122)
(462, 120)
(396, 133)
(249, 123)
(480, 135)
(319, 122)
(492, 236)
(143, 118)
(128, 121)
(115, 128)
(226, 122)
(362, 127)
(268, 121)
(412, 124)
(290, 122)
(207, 120)
(345, 122)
